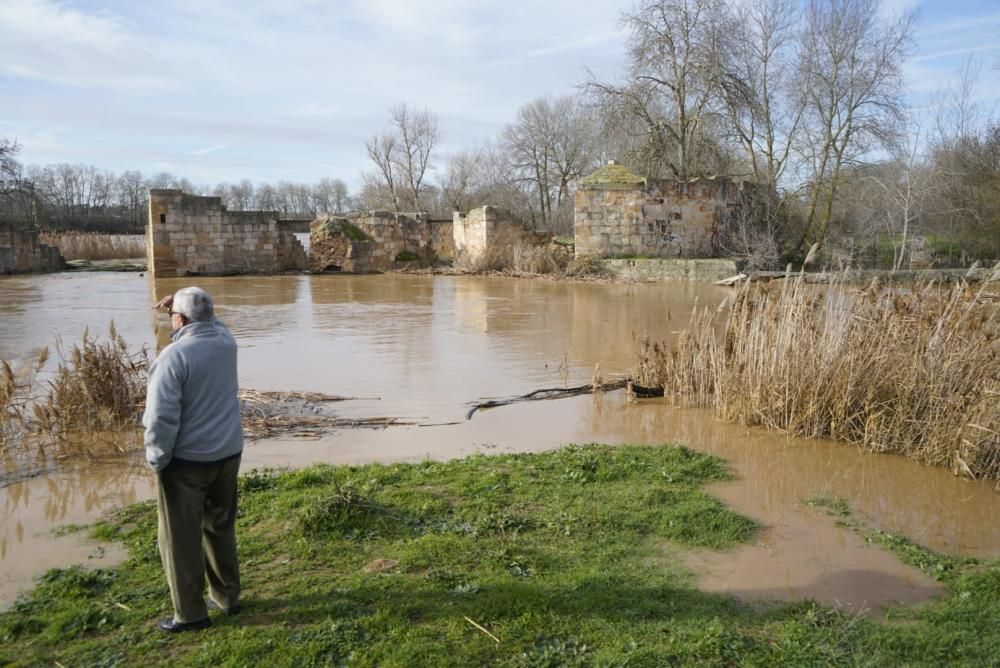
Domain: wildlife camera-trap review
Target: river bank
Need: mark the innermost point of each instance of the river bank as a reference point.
(570, 557)
(400, 342)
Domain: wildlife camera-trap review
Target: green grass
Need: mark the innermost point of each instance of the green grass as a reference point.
(570, 558)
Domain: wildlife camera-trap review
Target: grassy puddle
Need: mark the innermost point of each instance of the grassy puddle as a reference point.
(564, 558)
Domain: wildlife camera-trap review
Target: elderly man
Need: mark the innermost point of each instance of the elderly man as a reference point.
(194, 439)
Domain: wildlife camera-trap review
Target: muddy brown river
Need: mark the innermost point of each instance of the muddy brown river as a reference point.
(421, 347)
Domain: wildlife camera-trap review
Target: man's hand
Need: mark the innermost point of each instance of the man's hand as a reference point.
(165, 303)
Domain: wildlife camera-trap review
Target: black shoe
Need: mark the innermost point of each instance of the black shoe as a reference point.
(171, 625)
(228, 612)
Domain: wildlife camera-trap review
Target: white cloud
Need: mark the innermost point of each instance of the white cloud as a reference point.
(209, 149)
(47, 41)
(282, 87)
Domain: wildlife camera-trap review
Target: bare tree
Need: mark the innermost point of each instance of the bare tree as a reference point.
(418, 135)
(458, 182)
(673, 78)
(550, 146)
(330, 196)
(382, 151)
(764, 107)
(907, 190)
(402, 157)
(18, 199)
(958, 115)
(131, 189)
(529, 142)
(9, 166)
(851, 75)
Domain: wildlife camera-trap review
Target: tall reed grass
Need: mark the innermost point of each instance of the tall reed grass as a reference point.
(98, 387)
(94, 246)
(913, 371)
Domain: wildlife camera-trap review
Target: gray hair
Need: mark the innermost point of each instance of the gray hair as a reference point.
(194, 304)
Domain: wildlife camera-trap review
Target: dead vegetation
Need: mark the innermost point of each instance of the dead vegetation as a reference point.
(94, 246)
(298, 414)
(91, 407)
(98, 386)
(914, 372)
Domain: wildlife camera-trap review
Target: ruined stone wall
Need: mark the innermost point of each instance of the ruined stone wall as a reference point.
(377, 241)
(21, 252)
(479, 229)
(443, 239)
(670, 219)
(190, 234)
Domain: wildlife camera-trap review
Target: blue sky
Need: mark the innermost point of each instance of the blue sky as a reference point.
(230, 89)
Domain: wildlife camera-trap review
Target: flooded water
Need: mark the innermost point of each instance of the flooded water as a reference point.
(422, 347)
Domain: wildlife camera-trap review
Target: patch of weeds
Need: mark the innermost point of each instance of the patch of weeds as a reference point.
(329, 643)
(465, 589)
(406, 256)
(350, 512)
(257, 480)
(941, 567)
(563, 523)
(699, 519)
(713, 643)
(315, 476)
(938, 566)
(68, 529)
(820, 636)
(553, 653)
(832, 505)
(76, 582)
(102, 657)
(502, 523)
(513, 562)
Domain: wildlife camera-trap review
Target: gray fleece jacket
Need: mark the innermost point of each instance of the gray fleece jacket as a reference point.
(192, 407)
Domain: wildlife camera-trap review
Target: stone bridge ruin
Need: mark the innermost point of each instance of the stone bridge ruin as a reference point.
(618, 215)
(193, 235)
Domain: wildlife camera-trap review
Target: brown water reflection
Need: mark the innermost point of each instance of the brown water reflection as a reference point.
(32, 508)
(424, 346)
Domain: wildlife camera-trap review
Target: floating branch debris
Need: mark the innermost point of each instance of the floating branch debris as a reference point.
(550, 393)
(299, 414)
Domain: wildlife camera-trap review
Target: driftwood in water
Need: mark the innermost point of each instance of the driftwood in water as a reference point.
(551, 393)
(641, 392)
(298, 414)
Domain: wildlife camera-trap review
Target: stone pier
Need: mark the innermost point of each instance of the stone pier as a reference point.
(21, 252)
(490, 226)
(621, 215)
(193, 235)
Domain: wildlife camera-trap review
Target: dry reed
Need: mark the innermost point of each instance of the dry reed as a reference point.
(914, 372)
(92, 404)
(99, 386)
(94, 246)
(89, 406)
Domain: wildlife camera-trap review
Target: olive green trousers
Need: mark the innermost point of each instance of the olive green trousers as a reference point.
(197, 535)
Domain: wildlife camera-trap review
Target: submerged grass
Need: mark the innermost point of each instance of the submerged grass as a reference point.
(565, 558)
(94, 246)
(914, 372)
